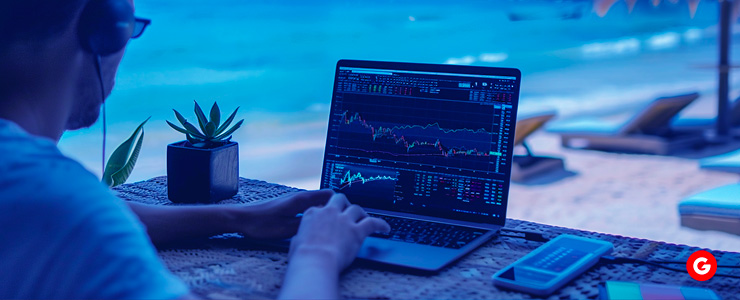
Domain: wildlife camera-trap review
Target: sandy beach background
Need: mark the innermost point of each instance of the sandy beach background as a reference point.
(275, 59)
(625, 194)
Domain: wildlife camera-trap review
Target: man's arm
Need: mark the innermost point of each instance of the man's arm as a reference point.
(311, 274)
(273, 219)
(169, 224)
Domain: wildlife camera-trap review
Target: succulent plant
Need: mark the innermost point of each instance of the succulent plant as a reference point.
(212, 132)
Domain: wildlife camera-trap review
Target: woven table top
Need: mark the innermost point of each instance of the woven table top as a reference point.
(243, 270)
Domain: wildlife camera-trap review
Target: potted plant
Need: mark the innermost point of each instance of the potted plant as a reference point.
(204, 168)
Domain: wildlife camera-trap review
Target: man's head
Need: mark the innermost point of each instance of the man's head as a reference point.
(47, 63)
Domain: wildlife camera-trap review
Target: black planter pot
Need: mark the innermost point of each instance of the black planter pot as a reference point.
(196, 175)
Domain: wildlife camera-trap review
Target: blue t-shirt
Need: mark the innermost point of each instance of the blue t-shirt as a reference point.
(63, 234)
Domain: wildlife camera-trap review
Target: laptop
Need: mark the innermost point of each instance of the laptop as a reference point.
(426, 147)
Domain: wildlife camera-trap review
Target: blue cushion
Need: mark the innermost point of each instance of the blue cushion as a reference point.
(587, 126)
(729, 162)
(723, 201)
(693, 123)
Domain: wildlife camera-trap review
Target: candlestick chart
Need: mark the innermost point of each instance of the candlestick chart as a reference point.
(402, 132)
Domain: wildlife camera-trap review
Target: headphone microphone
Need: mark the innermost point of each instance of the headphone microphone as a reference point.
(104, 28)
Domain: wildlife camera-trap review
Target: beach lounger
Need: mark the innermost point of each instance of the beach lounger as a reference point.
(527, 166)
(719, 208)
(716, 209)
(648, 131)
(729, 162)
(701, 124)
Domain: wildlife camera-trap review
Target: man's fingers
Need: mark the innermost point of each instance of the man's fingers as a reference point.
(371, 225)
(339, 201)
(355, 212)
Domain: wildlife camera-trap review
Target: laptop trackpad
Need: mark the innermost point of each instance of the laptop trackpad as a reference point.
(406, 254)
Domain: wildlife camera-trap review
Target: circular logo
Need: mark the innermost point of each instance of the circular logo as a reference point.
(701, 265)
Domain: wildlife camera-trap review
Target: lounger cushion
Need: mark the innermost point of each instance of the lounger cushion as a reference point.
(709, 122)
(586, 126)
(722, 202)
(654, 117)
(690, 123)
(729, 162)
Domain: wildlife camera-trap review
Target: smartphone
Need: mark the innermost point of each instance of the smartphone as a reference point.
(552, 265)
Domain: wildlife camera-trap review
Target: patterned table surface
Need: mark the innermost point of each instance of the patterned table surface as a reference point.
(244, 270)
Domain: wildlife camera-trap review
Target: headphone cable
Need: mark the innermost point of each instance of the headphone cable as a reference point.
(102, 98)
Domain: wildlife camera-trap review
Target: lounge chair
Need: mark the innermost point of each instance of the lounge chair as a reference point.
(719, 208)
(527, 166)
(648, 131)
(701, 124)
(716, 209)
(729, 162)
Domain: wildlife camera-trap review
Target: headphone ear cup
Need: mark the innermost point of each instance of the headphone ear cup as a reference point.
(105, 26)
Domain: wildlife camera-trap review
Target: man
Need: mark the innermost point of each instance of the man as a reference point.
(64, 235)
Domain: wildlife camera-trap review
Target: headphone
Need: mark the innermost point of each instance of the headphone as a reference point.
(104, 28)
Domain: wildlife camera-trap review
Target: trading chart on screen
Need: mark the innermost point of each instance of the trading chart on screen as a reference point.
(421, 142)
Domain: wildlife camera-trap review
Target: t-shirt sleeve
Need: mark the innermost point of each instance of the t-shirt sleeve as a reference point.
(67, 236)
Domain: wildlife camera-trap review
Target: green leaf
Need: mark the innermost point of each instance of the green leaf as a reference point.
(201, 117)
(191, 139)
(180, 118)
(215, 114)
(122, 157)
(210, 129)
(227, 122)
(230, 131)
(178, 128)
(123, 174)
(194, 131)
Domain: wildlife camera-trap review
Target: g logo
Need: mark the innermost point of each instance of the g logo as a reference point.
(701, 265)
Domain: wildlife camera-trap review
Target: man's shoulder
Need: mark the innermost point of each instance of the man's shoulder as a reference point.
(34, 172)
(23, 151)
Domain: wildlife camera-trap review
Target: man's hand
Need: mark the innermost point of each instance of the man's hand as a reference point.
(328, 240)
(337, 229)
(276, 219)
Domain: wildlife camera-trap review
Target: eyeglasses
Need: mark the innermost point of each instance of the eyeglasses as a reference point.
(139, 27)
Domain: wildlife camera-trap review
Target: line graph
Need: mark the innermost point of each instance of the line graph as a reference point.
(437, 133)
(395, 133)
(348, 179)
(359, 182)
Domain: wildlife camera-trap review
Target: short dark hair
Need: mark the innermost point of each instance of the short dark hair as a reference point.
(36, 20)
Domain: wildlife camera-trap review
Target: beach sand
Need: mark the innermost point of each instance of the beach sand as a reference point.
(624, 194)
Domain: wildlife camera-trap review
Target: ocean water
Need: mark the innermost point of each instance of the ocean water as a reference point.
(275, 60)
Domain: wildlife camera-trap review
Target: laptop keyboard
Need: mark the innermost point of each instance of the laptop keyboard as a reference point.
(428, 233)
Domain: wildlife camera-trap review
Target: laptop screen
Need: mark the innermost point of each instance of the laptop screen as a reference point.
(433, 140)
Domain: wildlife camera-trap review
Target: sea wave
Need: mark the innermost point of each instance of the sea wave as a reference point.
(182, 77)
(483, 57)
